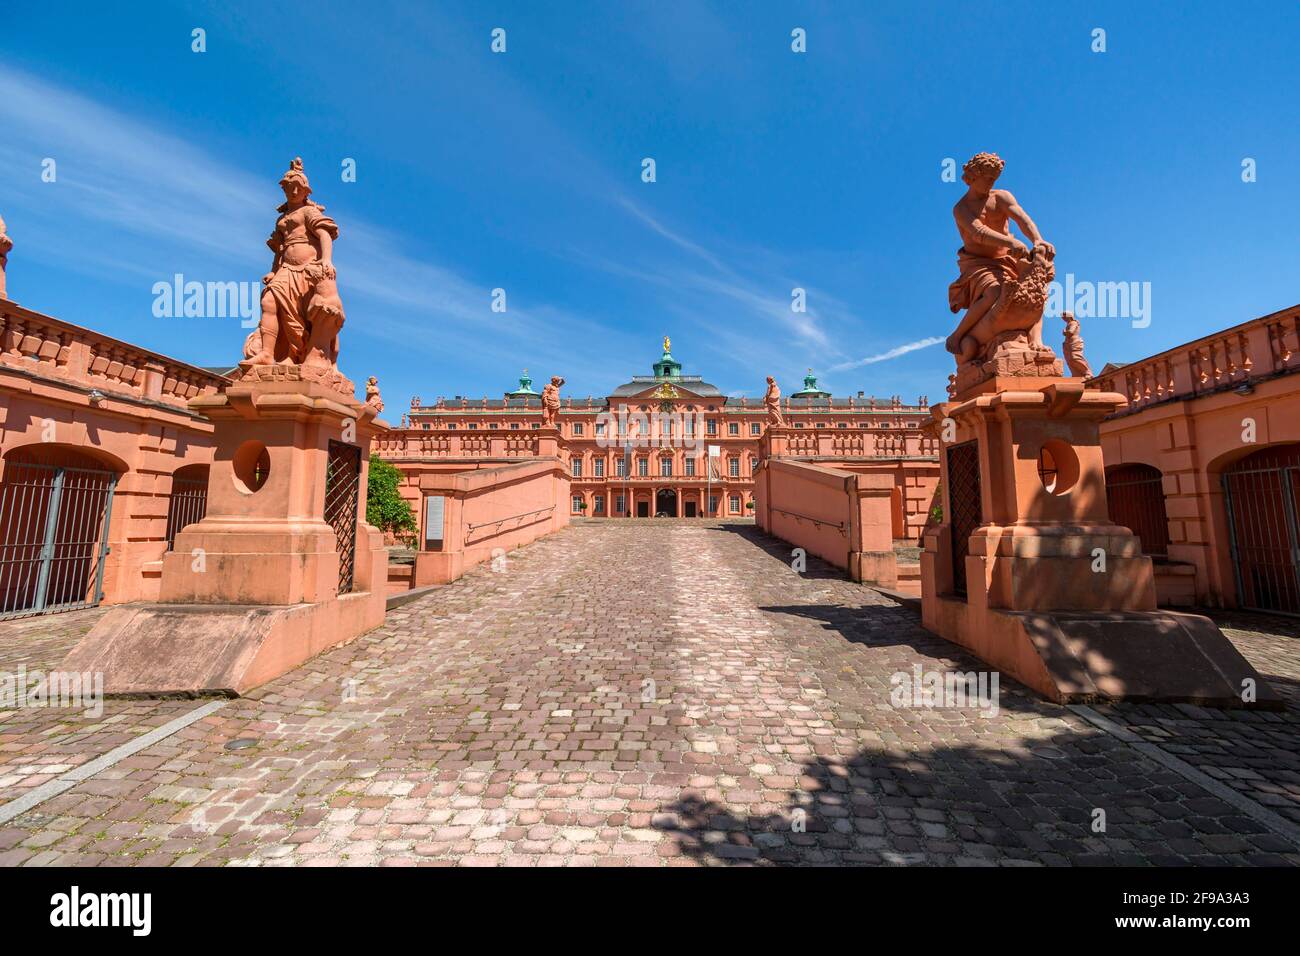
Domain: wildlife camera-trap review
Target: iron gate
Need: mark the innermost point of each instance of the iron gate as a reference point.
(1260, 495)
(53, 537)
(1135, 495)
(342, 484)
(964, 501)
(187, 505)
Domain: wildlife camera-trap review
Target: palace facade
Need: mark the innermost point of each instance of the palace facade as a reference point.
(666, 444)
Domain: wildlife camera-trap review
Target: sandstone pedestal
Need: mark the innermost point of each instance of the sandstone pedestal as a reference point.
(1028, 573)
(283, 565)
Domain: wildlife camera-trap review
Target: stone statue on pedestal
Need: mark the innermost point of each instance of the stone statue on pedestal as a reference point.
(301, 310)
(372, 395)
(1002, 285)
(772, 402)
(1073, 348)
(551, 401)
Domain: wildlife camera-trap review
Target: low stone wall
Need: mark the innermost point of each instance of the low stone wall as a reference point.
(486, 512)
(839, 516)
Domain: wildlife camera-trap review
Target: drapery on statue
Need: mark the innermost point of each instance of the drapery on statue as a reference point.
(772, 402)
(551, 401)
(1073, 348)
(1002, 285)
(301, 310)
(5, 245)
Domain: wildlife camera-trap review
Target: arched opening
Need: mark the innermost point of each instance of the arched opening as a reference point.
(188, 502)
(1136, 497)
(55, 509)
(666, 503)
(1260, 497)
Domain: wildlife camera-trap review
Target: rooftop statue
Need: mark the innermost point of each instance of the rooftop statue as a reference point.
(551, 401)
(301, 310)
(5, 245)
(1073, 347)
(1003, 283)
(772, 402)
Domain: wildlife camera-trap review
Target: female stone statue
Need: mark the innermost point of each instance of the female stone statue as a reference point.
(301, 310)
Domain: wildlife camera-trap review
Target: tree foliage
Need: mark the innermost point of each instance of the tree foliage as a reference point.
(386, 509)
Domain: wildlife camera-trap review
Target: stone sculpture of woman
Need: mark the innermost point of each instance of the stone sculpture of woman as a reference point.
(301, 310)
(772, 401)
(5, 245)
(1073, 347)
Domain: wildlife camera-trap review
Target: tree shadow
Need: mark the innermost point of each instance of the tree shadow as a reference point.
(1034, 802)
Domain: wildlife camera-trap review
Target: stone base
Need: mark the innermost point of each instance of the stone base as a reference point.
(215, 649)
(874, 567)
(1090, 657)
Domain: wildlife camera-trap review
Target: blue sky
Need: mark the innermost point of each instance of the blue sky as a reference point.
(522, 171)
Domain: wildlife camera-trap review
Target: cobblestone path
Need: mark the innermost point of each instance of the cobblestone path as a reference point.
(640, 694)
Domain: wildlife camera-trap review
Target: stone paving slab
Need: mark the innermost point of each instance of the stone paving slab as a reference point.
(642, 694)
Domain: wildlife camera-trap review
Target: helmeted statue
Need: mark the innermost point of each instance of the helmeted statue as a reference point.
(301, 310)
(551, 401)
(1003, 283)
(772, 402)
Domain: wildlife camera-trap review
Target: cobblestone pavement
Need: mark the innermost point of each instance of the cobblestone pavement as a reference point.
(646, 694)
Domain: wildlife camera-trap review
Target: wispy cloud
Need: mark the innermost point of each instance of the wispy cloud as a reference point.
(891, 354)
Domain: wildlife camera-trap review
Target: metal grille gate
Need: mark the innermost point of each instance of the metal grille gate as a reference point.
(1260, 495)
(188, 505)
(342, 484)
(53, 537)
(1136, 497)
(967, 510)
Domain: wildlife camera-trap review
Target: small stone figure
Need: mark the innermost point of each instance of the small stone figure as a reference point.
(551, 401)
(372, 394)
(772, 402)
(301, 310)
(1073, 347)
(952, 387)
(5, 245)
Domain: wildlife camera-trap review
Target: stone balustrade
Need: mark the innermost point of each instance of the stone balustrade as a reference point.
(1242, 355)
(857, 443)
(414, 444)
(52, 349)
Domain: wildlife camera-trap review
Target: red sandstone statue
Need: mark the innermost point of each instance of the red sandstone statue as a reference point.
(1073, 347)
(372, 394)
(1003, 283)
(772, 402)
(5, 245)
(301, 310)
(551, 401)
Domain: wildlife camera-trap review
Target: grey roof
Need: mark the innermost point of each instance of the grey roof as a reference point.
(692, 383)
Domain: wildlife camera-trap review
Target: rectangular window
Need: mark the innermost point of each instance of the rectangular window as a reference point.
(753, 464)
(599, 507)
(733, 467)
(665, 467)
(643, 467)
(575, 467)
(755, 428)
(713, 504)
(598, 467)
(577, 428)
(452, 427)
(618, 505)
(842, 425)
(711, 426)
(427, 426)
(473, 426)
(620, 467)
(798, 424)
(690, 467)
(600, 429)
(733, 428)
(494, 426)
(733, 504)
(577, 504)
(514, 426)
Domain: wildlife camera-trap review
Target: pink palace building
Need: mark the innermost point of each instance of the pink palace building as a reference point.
(663, 445)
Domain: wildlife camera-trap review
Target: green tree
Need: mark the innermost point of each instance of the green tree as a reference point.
(386, 509)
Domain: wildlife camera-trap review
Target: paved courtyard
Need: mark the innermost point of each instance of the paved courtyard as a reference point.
(647, 694)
